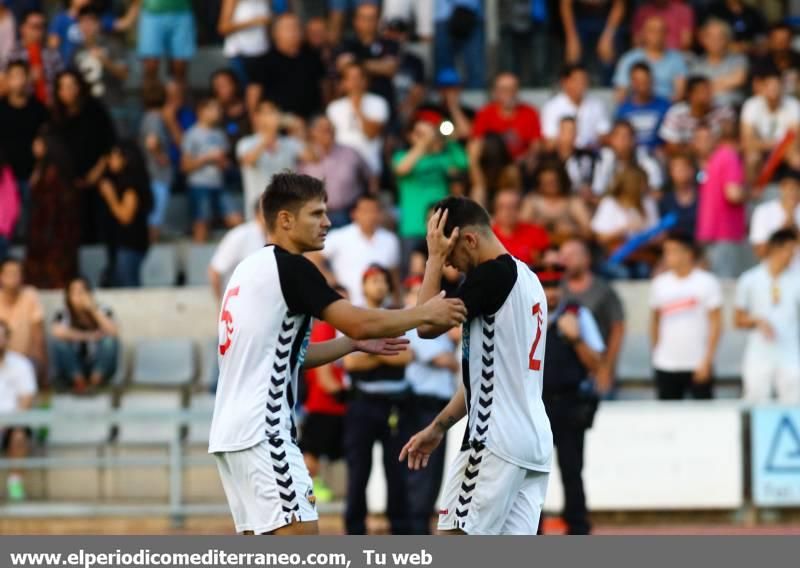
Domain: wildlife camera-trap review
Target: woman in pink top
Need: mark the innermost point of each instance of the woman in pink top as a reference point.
(9, 206)
(721, 220)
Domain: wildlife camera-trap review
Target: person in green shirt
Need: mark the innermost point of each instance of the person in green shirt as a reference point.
(166, 29)
(427, 172)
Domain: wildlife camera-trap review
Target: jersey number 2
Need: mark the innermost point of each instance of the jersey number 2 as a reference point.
(533, 363)
(227, 318)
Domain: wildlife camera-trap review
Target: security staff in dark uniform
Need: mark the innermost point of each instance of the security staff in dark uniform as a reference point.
(377, 411)
(573, 352)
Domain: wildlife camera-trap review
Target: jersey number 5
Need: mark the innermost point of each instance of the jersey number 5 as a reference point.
(227, 318)
(533, 363)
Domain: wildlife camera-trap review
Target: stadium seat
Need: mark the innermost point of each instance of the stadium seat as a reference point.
(92, 261)
(164, 363)
(634, 358)
(210, 371)
(160, 266)
(176, 218)
(198, 258)
(201, 480)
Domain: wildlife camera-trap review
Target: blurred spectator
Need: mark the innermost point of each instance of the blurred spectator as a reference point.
(642, 109)
(409, 78)
(517, 122)
(781, 213)
(721, 224)
(227, 90)
(21, 7)
(345, 172)
(166, 29)
(8, 32)
(625, 211)
(426, 173)
(620, 153)
(237, 244)
(727, 71)
(574, 351)
(458, 31)
(767, 300)
(681, 198)
(352, 249)
(265, 153)
(447, 103)
(590, 32)
(377, 412)
(422, 11)
(322, 433)
(17, 389)
(243, 24)
(525, 241)
(495, 170)
(178, 117)
(667, 65)
(155, 140)
(204, 159)
(746, 21)
(51, 258)
(685, 323)
(582, 286)
(683, 117)
(85, 342)
(44, 63)
(337, 14)
(290, 74)
(127, 194)
(66, 35)
(432, 376)
(528, 46)
(781, 55)
(22, 310)
(677, 16)
(378, 56)
(359, 117)
(766, 119)
(578, 162)
(84, 128)
(9, 204)
(591, 117)
(102, 63)
(553, 206)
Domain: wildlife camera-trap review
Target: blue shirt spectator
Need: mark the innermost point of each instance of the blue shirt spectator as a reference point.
(64, 27)
(641, 108)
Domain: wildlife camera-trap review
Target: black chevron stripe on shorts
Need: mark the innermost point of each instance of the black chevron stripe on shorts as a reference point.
(468, 484)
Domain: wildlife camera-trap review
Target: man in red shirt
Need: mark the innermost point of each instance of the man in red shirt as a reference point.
(525, 241)
(516, 122)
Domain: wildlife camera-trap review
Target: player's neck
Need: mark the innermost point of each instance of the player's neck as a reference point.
(282, 240)
(491, 250)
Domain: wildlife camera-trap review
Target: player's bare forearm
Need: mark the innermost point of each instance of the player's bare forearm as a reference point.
(431, 286)
(455, 410)
(325, 352)
(590, 358)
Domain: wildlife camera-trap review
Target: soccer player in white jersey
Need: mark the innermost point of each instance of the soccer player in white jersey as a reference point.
(497, 483)
(264, 325)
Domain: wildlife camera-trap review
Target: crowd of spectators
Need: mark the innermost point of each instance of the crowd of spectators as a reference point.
(695, 146)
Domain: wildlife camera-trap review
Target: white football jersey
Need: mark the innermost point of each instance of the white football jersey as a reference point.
(264, 329)
(503, 359)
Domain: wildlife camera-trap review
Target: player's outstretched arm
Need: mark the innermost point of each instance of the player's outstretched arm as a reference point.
(439, 247)
(364, 323)
(419, 448)
(325, 352)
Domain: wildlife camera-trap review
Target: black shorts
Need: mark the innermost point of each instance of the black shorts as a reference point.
(5, 435)
(322, 435)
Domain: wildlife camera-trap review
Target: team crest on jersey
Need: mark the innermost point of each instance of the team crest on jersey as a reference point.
(311, 497)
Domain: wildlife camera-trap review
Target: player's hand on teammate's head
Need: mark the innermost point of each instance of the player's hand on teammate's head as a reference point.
(445, 312)
(440, 246)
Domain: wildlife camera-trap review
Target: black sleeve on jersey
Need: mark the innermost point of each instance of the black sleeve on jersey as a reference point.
(304, 288)
(486, 288)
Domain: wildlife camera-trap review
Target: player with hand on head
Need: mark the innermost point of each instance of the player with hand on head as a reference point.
(265, 321)
(497, 483)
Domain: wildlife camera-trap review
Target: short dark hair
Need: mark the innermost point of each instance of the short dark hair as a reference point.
(623, 123)
(767, 71)
(570, 68)
(780, 26)
(32, 12)
(695, 81)
(229, 73)
(20, 63)
(781, 237)
(685, 240)
(289, 191)
(203, 102)
(463, 212)
(89, 10)
(641, 66)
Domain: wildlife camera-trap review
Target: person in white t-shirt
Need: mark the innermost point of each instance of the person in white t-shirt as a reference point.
(359, 117)
(351, 249)
(768, 304)
(17, 388)
(591, 116)
(777, 214)
(237, 244)
(685, 324)
(244, 23)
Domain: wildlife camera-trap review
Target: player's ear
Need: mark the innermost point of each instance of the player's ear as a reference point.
(285, 220)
